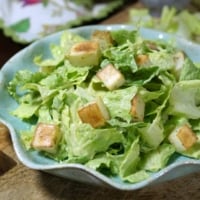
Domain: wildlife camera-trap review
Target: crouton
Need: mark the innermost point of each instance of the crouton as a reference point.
(104, 38)
(85, 53)
(142, 60)
(137, 108)
(94, 113)
(182, 138)
(46, 137)
(111, 77)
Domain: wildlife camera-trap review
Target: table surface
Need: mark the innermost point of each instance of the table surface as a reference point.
(20, 183)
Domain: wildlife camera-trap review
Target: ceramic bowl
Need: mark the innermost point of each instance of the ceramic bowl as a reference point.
(179, 167)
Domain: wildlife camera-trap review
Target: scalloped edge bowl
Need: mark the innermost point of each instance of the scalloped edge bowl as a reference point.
(181, 165)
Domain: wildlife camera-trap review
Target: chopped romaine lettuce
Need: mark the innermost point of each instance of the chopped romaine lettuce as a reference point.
(158, 158)
(184, 99)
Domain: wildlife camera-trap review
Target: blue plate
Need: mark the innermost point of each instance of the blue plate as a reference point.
(24, 60)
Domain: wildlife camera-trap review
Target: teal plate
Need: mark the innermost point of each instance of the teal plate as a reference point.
(178, 167)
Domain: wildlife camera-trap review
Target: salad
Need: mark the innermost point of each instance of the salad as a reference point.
(115, 102)
(183, 23)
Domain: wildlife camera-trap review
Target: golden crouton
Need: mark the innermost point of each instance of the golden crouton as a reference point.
(104, 38)
(111, 77)
(142, 60)
(94, 113)
(137, 108)
(85, 53)
(46, 137)
(183, 138)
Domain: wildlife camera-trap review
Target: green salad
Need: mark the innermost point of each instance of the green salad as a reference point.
(115, 102)
(183, 23)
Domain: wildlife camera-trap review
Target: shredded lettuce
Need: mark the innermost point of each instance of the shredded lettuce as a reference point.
(184, 99)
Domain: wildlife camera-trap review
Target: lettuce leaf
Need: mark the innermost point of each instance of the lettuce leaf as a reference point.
(158, 158)
(184, 99)
(189, 71)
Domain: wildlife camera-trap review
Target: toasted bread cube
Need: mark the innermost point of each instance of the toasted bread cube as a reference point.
(85, 53)
(142, 60)
(111, 77)
(94, 113)
(182, 138)
(46, 137)
(104, 38)
(137, 108)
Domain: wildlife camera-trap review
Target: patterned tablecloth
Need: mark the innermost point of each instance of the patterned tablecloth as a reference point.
(28, 20)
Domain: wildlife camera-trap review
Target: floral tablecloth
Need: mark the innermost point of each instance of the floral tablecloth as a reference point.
(28, 20)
